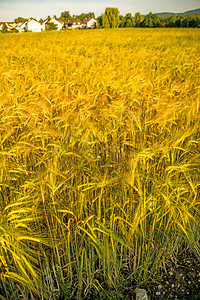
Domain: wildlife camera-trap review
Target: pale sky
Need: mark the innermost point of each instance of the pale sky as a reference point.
(11, 9)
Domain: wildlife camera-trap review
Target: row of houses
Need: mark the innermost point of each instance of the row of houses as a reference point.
(35, 26)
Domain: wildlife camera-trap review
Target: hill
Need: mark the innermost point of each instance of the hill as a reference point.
(189, 12)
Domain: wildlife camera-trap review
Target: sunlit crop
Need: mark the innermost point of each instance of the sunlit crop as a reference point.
(99, 158)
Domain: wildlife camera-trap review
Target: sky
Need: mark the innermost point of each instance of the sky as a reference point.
(11, 9)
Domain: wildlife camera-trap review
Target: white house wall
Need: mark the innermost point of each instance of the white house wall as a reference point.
(91, 23)
(33, 26)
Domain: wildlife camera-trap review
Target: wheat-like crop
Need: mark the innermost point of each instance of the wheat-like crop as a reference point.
(99, 157)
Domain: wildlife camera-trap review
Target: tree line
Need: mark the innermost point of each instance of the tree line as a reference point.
(111, 18)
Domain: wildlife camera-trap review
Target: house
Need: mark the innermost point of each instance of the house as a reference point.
(58, 23)
(43, 25)
(30, 25)
(21, 27)
(33, 25)
(75, 24)
(9, 25)
(67, 24)
(89, 23)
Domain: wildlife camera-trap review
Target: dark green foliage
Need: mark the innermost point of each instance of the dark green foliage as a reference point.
(196, 297)
(151, 20)
(20, 20)
(99, 21)
(52, 26)
(138, 19)
(84, 16)
(65, 15)
(14, 30)
(129, 20)
(122, 21)
(105, 22)
(4, 28)
(111, 19)
(66, 290)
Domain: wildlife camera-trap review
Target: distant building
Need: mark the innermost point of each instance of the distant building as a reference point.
(33, 26)
(21, 27)
(9, 25)
(89, 23)
(30, 25)
(75, 24)
(43, 25)
(58, 23)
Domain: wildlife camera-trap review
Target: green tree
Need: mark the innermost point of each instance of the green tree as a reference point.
(99, 21)
(85, 16)
(20, 20)
(51, 26)
(14, 30)
(191, 21)
(138, 18)
(112, 19)
(122, 21)
(105, 22)
(171, 21)
(151, 20)
(65, 15)
(162, 22)
(4, 28)
(129, 20)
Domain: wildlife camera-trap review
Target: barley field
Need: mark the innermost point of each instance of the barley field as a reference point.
(99, 159)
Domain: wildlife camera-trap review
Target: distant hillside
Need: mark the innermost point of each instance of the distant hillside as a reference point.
(165, 14)
(192, 12)
(189, 12)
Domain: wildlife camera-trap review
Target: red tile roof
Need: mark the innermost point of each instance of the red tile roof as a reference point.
(87, 20)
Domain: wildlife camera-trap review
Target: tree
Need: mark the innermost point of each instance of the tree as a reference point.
(84, 16)
(129, 20)
(128, 23)
(151, 20)
(190, 21)
(51, 26)
(99, 20)
(122, 21)
(20, 20)
(111, 17)
(105, 22)
(138, 19)
(65, 15)
(4, 28)
(14, 30)
(49, 18)
(171, 21)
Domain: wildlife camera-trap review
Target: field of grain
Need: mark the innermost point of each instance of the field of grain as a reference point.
(99, 159)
